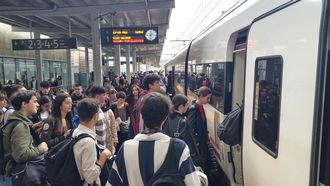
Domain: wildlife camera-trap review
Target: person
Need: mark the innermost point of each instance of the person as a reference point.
(58, 125)
(76, 96)
(19, 146)
(11, 90)
(151, 83)
(3, 104)
(89, 167)
(44, 110)
(175, 125)
(45, 90)
(196, 121)
(33, 83)
(138, 159)
(106, 131)
(121, 112)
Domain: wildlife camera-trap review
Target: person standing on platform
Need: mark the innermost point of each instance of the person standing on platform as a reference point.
(33, 83)
(45, 90)
(76, 96)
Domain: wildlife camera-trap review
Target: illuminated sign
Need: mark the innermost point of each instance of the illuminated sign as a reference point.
(129, 35)
(44, 44)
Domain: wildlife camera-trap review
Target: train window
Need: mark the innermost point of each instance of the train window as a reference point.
(266, 115)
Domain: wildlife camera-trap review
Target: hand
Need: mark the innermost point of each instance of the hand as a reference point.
(37, 126)
(67, 133)
(104, 156)
(44, 146)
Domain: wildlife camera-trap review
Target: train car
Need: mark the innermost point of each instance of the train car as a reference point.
(271, 57)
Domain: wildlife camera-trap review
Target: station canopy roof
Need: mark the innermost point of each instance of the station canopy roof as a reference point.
(52, 17)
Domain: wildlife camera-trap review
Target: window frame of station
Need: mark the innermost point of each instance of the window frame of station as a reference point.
(227, 69)
(260, 144)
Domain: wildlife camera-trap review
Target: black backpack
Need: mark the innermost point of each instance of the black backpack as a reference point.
(229, 131)
(168, 174)
(3, 159)
(61, 165)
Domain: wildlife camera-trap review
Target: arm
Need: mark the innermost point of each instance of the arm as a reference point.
(187, 169)
(21, 145)
(113, 127)
(47, 134)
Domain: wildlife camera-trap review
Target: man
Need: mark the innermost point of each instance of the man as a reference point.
(33, 84)
(45, 90)
(88, 165)
(151, 83)
(11, 90)
(18, 145)
(76, 96)
(105, 128)
(196, 122)
(138, 159)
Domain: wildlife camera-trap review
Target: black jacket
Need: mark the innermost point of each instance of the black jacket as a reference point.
(175, 123)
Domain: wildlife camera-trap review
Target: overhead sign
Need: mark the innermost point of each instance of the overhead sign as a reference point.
(44, 44)
(129, 35)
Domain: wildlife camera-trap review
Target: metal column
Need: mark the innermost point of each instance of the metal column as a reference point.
(96, 42)
(68, 59)
(87, 65)
(128, 64)
(134, 59)
(117, 60)
(39, 77)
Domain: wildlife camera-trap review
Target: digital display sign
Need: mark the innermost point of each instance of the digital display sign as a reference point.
(44, 44)
(129, 35)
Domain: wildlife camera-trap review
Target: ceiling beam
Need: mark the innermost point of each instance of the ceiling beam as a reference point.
(51, 30)
(89, 9)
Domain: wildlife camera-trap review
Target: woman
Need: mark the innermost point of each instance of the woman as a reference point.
(3, 104)
(58, 125)
(133, 97)
(176, 123)
(121, 112)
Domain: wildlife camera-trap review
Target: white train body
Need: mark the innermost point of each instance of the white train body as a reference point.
(294, 37)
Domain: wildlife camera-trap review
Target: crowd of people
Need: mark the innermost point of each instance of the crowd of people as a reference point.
(135, 121)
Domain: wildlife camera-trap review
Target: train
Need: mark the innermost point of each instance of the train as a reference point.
(272, 59)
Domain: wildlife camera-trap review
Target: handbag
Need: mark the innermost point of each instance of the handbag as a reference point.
(31, 173)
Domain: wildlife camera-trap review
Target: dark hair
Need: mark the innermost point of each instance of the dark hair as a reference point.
(2, 96)
(149, 79)
(134, 86)
(121, 95)
(77, 85)
(154, 109)
(97, 90)
(121, 81)
(56, 109)
(11, 89)
(179, 99)
(43, 100)
(44, 84)
(86, 108)
(204, 91)
(19, 97)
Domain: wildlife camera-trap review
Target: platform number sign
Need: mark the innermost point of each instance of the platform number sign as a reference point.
(44, 44)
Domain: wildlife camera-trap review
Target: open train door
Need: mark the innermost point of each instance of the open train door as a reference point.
(280, 84)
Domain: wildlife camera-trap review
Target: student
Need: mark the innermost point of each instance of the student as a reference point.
(18, 145)
(196, 121)
(138, 159)
(88, 165)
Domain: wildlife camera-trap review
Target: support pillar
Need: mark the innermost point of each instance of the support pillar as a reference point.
(38, 57)
(68, 60)
(134, 60)
(128, 64)
(96, 42)
(87, 65)
(117, 60)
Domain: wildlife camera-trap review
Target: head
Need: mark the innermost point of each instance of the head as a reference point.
(26, 102)
(45, 87)
(204, 95)
(45, 103)
(180, 103)
(62, 104)
(151, 82)
(135, 90)
(112, 95)
(98, 92)
(77, 90)
(121, 97)
(87, 109)
(11, 89)
(3, 101)
(154, 110)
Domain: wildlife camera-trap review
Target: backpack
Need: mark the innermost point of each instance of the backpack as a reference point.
(3, 159)
(168, 174)
(61, 165)
(229, 131)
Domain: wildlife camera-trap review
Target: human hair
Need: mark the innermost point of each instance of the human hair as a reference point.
(154, 109)
(44, 84)
(149, 79)
(86, 109)
(121, 95)
(178, 99)
(21, 96)
(11, 89)
(56, 109)
(132, 87)
(2, 96)
(43, 100)
(97, 90)
(204, 91)
(77, 85)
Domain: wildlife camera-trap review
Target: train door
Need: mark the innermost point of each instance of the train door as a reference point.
(279, 95)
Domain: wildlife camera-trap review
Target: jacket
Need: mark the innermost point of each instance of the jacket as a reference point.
(111, 130)
(175, 123)
(19, 146)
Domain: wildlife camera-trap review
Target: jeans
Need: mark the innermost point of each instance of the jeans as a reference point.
(5, 181)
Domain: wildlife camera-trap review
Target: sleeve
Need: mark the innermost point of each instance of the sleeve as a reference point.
(118, 171)
(187, 168)
(166, 128)
(113, 127)
(47, 133)
(21, 145)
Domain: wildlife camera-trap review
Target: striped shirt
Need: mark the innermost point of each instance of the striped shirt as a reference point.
(138, 159)
(100, 130)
